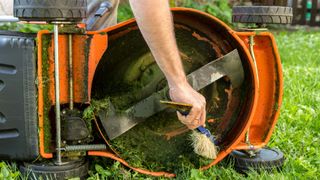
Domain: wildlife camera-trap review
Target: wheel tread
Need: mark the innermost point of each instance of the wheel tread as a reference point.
(262, 14)
(49, 10)
(244, 163)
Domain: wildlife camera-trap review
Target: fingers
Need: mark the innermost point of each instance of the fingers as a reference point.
(203, 111)
(203, 117)
(186, 94)
(184, 120)
(194, 115)
(195, 118)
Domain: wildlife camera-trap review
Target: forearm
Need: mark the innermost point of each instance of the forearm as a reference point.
(155, 22)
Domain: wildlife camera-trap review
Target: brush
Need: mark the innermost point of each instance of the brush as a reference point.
(203, 142)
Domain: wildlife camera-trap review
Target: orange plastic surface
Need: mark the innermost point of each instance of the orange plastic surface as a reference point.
(90, 47)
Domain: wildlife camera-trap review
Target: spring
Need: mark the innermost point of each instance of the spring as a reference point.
(85, 147)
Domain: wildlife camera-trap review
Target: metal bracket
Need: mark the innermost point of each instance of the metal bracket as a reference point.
(104, 8)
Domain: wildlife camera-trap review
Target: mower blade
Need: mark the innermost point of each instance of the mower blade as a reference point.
(229, 65)
(114, 122)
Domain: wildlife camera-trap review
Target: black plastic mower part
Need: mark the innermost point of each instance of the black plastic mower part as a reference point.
(50, 10)
(50, 171)
(73, 127)
(266, 159)
(262, 14)
(18, 97)
(270, 2)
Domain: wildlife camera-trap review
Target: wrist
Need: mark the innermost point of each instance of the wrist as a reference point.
(178, 83)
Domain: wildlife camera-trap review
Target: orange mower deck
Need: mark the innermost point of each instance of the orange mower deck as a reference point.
(263, 91)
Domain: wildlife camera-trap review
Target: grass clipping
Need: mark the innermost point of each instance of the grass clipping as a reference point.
(160, 143)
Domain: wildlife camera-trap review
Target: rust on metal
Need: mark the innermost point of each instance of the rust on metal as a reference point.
(176, 132)
(214, 45)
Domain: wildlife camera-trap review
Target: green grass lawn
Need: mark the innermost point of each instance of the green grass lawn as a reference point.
(297, 132)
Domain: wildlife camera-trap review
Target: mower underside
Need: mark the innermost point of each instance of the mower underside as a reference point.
(115, 65)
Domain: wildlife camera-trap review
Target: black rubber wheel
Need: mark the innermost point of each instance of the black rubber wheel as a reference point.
(50, 171)
(50, 10)
(269, 2)
(262, 14)
(266, 159)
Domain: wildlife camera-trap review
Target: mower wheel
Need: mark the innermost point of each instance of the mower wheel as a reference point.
(265, 159)
(50, 10)
(262, 14)
(50, 171)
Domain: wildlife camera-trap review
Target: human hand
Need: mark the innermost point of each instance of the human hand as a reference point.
(184, 93)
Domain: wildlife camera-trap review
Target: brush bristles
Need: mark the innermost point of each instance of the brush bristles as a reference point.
(203, 146)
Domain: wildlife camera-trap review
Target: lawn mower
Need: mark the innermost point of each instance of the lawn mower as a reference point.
(54, 84)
